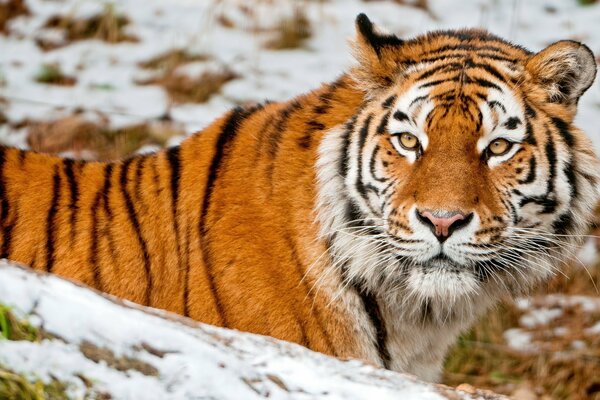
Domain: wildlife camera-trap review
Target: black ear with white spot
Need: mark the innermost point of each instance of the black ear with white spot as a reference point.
(565, 70)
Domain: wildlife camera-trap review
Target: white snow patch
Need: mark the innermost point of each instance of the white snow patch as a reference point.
(520, 340)
(199, 361)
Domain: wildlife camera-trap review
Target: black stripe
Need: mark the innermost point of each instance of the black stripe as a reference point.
(552, 160)
(93, 258)
(564, 224)
(491, 70)
(6, 237)
(101, 196)
(312, 126)
(529, 136)
(222, 148)
(417, 99)
(50, 220)
(532, 171)
(345, 160)
(445, 57)
(454, 66)
(569, 171)
(173, 155)
(487, 84)
(106, 189)
(280, 126)
(137, 229)
(529, 111)
(374, 312)
(388, 102)
(325, 98)
(382, 127)
(467, 47)
(74, 195)
(372, 164)
(362, 138)
(139, 170)
(400, 116)
(512, 123)
(548, 200)
(563, 130)
(455, 78)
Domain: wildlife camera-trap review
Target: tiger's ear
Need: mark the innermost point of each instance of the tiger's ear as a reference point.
(564, 70)
(377, 54)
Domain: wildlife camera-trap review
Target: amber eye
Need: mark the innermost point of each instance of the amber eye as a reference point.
(499, 147)
(409, 141)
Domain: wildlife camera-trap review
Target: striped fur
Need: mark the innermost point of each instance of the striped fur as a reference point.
(299, 220)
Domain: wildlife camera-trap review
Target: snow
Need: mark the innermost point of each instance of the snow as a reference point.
(519, 340)
(107, 73)
(540, 316)
(181, 359)
(541, 327)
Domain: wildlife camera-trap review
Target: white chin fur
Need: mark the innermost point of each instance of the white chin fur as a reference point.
(441, 284)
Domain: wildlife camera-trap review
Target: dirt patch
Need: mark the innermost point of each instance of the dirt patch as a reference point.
(107, 26)
(98, 354)
(11, 9)
(90, 140)
(51, 74)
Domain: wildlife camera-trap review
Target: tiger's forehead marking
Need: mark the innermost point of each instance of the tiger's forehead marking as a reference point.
(500, 109)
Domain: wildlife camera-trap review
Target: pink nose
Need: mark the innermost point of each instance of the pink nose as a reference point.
(441, 225)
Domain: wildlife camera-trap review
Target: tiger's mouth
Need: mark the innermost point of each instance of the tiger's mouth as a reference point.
(443, 261)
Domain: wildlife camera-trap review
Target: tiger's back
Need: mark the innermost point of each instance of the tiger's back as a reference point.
(193, 229)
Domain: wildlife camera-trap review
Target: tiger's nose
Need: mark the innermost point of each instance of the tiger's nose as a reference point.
(443, 223)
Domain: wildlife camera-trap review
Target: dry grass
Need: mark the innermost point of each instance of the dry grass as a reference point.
(107, 26)
(181, 87)
(170, 60)
(84, 139)
(11, 9)
(17, 387)
(11, 328)
(556, 371)
(186, 89)
(52, 74)
(291, 32)
(422, 4)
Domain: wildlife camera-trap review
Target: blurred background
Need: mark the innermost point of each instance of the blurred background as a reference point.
(103, 79)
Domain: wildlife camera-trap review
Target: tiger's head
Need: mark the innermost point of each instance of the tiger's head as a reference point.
(462, 175)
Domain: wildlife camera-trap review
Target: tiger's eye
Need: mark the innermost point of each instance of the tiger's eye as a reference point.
(409, 141)
(499, 147)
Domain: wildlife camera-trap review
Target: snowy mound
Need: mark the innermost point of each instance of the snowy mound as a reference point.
(101, 347)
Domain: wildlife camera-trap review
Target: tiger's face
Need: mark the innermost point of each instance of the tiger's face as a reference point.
(463, 170)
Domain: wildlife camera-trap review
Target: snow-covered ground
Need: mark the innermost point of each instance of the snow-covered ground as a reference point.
(106, 73)
(100, 346)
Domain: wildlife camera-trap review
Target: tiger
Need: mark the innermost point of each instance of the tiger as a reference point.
(373, 218)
